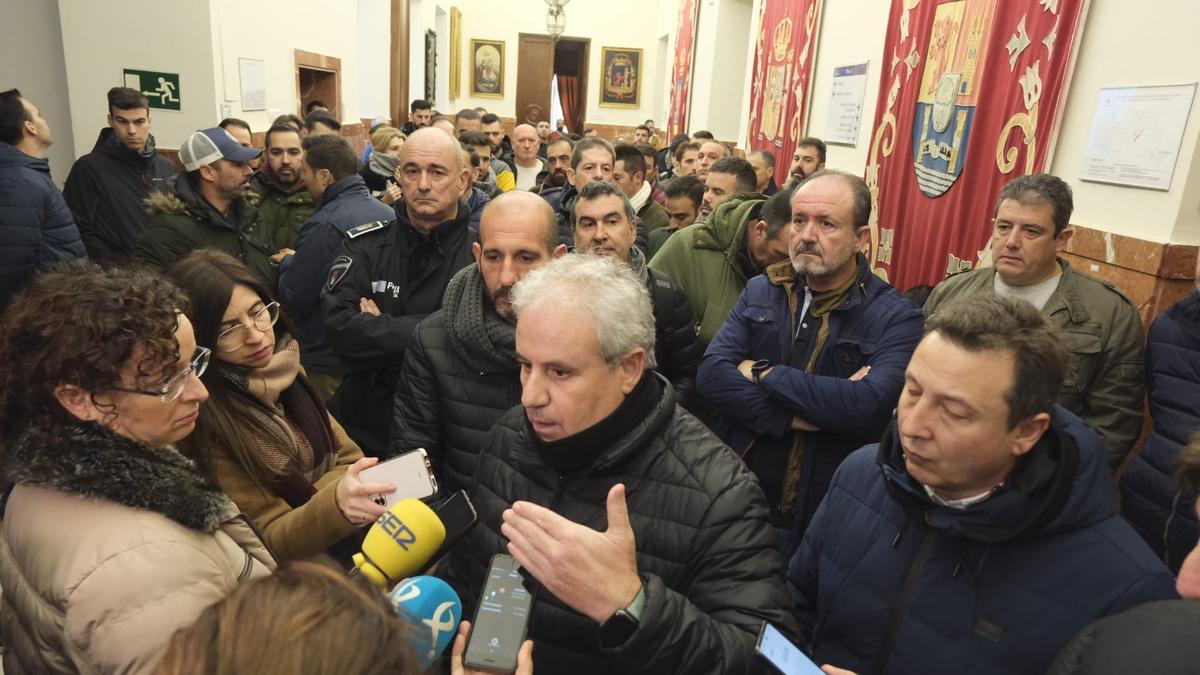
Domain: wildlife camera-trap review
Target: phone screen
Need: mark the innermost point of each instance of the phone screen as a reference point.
(500, 619)
(785, 656)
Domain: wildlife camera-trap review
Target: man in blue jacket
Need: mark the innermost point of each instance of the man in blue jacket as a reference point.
(330, 170)
(809, 365)
(981, 533)
(36, 227)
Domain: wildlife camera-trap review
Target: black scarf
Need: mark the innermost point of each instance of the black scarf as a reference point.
(478, 333)
(577, 451)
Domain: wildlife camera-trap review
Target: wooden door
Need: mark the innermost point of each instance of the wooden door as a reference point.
(535, 67)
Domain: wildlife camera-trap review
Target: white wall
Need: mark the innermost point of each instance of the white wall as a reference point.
(719, 88)
(100, 39)
(271, 31)
(372, 58)
(31, 59)
(632, 24)
(431, 15)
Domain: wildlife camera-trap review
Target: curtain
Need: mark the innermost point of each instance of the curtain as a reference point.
(783, 74)
(568, 97)
(970, 98)
(681, 71)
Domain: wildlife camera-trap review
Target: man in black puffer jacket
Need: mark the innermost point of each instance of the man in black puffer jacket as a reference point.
(36, 229)
(644, 538)
(107, 188)
(461, 374)
(604, 225)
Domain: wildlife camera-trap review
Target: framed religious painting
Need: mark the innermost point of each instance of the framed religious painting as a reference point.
(487, 68)
(620, 77)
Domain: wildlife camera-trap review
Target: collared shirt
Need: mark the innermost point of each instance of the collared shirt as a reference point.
(959, 504)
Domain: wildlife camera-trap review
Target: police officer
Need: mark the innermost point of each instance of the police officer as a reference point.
(388, 275)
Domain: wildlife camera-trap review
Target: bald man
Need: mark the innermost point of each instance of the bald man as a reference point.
(465, 351)
(711, 152)
(525, 163)
(389, 275)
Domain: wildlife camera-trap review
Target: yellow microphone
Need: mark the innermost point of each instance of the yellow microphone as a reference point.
(401, 543)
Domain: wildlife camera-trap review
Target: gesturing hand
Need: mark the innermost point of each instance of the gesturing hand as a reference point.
(354, 497)
(524, 656)
(595, 573)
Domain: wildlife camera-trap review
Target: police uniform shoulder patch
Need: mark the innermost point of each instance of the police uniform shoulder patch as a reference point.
(337, 271)
(360, 230)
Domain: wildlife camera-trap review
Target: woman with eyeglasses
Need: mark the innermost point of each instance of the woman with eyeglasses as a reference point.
(265, 436)
(111, 540)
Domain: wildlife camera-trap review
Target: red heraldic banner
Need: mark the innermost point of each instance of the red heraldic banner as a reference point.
(681, 73)
(971, 97)
(783, 74)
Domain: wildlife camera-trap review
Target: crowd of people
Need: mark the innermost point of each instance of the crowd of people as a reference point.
(672, 388)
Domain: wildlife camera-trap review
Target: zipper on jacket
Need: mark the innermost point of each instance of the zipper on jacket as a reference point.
(901, 606)
(1166, 532)
(247, 567)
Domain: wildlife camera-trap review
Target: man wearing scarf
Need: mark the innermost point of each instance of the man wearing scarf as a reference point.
(810, 363)
(107, 188)
(630, 173)
(648, 537)
(461, 374)
(284, 203)
(605, 225)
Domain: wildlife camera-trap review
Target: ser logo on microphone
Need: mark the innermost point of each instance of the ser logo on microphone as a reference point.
(397, 530)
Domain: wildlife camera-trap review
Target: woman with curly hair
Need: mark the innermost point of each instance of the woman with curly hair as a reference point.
(265, 436)
(111, 540)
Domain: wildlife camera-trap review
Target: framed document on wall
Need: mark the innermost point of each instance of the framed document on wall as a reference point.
(487, 68)
(620, 77)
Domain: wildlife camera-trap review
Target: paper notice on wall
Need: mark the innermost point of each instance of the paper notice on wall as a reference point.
(1136, 134)
(846, 104)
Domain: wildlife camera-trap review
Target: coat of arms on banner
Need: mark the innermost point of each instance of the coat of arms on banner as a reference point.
(946, 105)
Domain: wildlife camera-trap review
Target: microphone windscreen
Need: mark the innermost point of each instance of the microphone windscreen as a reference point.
(433, 610)
(400, 543)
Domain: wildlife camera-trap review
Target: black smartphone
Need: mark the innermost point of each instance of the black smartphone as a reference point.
(501, 617)
(778, 651)
(457, 513)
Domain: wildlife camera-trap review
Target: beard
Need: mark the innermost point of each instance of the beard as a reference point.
(824, 265)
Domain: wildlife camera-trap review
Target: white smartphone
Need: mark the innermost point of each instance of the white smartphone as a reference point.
(786, 657)
(411, 473)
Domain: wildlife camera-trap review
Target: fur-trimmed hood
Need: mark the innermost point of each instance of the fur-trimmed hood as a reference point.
(169, 201)
(91, 461)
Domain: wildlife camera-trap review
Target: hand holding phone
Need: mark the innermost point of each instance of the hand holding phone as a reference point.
(501, 616)
(786, 657)
(355, 497)
(524, 656)
(410, 474)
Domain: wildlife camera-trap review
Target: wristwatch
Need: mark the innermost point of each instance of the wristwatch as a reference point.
(618, 628)
(756, 370)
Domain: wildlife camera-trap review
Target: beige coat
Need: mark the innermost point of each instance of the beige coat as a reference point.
(108, 548)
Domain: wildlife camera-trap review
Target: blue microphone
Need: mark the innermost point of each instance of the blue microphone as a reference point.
(434, 611)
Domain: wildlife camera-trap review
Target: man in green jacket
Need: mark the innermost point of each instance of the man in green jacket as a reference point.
(712, 261)
(283, 201)
(206, 208)
(1099, 324)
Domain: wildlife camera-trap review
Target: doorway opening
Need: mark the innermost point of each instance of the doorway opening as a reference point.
(571, 77)
(318, 78)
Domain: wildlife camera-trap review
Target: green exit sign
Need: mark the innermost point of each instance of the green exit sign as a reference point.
(162, 89)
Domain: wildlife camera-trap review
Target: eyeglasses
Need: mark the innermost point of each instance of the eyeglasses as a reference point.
(233, 339)
(174, 387)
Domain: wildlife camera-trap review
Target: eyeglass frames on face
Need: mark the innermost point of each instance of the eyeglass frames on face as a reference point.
(233, 339)
(174, 387)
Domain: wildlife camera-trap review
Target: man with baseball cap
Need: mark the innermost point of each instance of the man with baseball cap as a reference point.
(206, 207)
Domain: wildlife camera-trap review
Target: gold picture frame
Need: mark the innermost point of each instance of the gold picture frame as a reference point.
(455, 52)
(487, 68)
(620, 77)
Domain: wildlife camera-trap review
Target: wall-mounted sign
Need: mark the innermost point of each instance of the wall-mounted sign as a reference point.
(162, 89)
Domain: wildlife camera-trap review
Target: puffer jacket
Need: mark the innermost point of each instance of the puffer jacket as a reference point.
(887, 581)
(676, 350)
(36, 227)
(874, 326)
(281, 213)
(182, 221)
(108, 548)
(106, 190)
(446, 406)
(703, 260)
(705, 552)
(1156, 637)
(1151, 499)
